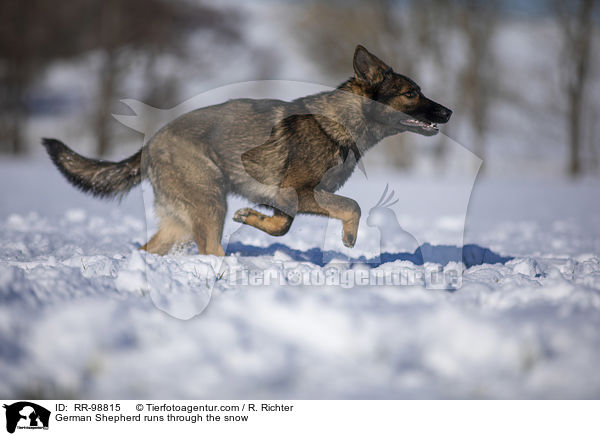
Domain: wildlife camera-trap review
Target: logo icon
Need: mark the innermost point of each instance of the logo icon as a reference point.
(26, 415)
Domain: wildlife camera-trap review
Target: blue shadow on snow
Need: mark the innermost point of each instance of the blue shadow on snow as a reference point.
(470, 254)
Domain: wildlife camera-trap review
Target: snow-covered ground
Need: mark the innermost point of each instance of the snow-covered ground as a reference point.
(84, 314)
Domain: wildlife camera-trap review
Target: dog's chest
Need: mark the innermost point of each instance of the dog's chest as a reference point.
(327, 170)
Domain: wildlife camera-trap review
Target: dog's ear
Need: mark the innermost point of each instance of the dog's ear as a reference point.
(367, 66)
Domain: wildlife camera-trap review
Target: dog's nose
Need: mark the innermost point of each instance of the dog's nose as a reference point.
(444, 113)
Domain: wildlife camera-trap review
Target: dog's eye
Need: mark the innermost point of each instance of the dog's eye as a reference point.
(410, 94)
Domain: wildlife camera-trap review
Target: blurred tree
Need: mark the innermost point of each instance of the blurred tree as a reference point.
(594, 140)
(126, 29)
(23, 51)
(576, 22)
(434, 24)
(477, 21)
(35, 33)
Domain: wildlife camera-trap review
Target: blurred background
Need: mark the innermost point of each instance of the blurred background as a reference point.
(521, 76)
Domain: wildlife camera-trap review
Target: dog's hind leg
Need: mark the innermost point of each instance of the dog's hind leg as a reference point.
(169, 233)
(207, 226)
(193, 189)
(206, 206)
(203, 222)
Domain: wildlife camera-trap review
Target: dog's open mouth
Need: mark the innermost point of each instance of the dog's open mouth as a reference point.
(411, 122)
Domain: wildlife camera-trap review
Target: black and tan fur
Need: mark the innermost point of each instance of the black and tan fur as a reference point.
(288, 156)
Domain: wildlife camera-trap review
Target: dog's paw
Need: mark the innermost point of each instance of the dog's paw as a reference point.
(241, 215)
(349, 239)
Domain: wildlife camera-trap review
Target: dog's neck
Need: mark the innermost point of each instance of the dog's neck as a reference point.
(342, 115)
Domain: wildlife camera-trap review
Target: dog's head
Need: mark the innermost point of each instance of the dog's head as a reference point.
(401, 104)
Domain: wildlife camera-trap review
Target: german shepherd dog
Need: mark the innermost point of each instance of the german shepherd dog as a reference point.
(287, 156)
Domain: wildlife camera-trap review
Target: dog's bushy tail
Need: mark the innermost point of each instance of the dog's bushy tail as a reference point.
(100, 178)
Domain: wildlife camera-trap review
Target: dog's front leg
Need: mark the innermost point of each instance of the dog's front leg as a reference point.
(276, 225)
(284, 206)
(334, 206)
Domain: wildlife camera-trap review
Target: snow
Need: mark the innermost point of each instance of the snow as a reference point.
(85, 314)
